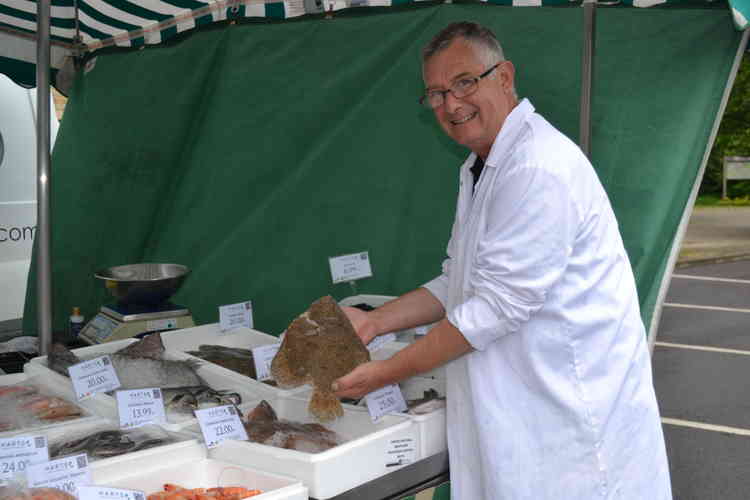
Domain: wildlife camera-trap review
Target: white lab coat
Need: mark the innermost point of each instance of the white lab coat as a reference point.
(557, 401)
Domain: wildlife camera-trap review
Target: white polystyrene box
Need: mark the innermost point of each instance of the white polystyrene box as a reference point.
(431, 426)
(361, 458)
(190, 468)
(48, 385)
(215, 376)
(189, 339)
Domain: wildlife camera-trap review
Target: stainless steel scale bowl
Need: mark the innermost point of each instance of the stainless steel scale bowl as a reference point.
(143, 283)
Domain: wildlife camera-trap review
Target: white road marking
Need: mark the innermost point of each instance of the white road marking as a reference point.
(710, 308)
(706, 427)
(706, 278)
(702, 348)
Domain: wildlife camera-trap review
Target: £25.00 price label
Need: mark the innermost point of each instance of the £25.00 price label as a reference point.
(17, 453)
(139, 407)
(219, 424)
(236, 315)
(384, 401)
(92, 376)
(350, 267)
(262, 358)
(65, 474)
(104, 493)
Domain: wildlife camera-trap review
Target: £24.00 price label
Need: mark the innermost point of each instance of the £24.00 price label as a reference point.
(384, 401)
(17, 453)
(139, 407)
(65, 474)
(92, 376)
(219, 424)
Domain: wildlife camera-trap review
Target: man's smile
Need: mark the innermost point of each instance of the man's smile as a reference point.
(459, 121)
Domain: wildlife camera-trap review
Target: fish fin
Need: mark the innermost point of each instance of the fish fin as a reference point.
(325, 406)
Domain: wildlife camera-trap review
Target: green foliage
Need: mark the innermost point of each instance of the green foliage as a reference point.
(733, 138)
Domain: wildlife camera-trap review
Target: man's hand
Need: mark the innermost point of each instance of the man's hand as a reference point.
(364, 379)
(362, 323)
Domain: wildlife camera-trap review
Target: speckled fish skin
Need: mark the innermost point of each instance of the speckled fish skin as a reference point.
(320, 346)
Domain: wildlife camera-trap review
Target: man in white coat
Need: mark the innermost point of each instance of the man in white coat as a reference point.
(549, 387)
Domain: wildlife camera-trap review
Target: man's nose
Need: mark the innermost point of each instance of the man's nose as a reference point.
(451, 102)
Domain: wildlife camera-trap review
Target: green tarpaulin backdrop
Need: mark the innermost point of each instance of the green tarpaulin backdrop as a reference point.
(253, 152)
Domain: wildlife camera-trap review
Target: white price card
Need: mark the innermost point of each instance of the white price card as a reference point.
(220, 423)
(350, 267)
(262, 357)
(236, 315)
(65, 474)
(92, 376)
(384, 401)
(18, 452)
(104, 493)
(139, 407)
(400, 451)
(380, 341)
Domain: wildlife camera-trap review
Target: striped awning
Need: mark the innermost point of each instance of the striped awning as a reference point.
(85, 26)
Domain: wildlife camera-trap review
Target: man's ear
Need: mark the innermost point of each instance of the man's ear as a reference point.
(507, 73)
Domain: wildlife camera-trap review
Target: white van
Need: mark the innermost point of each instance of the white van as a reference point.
(17, 191)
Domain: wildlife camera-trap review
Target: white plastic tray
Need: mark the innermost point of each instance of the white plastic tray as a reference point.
(49, 386)
(362, 458)
(215, 376)
(430, 426)
(189, 468)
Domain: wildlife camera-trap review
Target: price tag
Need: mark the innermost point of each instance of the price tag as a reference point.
(103, 493)
(220, 423)
(400, 451)
(384, 401)
(95, 375)
(380, 341)
(262, 357)
(139, 407)
(17, 453)
(235, 316)
(65, 474)
(350, 267)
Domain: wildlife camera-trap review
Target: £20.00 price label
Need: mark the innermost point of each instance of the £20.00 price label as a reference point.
(384, 401)
(65, 474)
(92, 376)
(139, 407)
(104, 493)
(262, 358)
(17, 453)
(350, 267)
(219, 424)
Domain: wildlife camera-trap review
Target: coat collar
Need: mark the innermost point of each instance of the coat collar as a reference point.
(506, 138)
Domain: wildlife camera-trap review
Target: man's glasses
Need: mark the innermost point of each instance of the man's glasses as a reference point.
(461, 88)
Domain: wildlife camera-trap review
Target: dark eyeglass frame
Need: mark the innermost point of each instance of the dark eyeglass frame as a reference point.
(425, 101)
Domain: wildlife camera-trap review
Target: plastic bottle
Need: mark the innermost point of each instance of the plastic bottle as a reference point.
(75, 324)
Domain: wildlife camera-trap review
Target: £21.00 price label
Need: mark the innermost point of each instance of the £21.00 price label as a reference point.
(139, 407)
(104, 493)
(65, 474)
(219, 424)
(17, 453)
(92, 376)
(350, 267)
(384, 401)
(262, 358)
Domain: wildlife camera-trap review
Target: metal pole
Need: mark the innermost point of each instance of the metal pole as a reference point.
(43, 270)
(587, 64)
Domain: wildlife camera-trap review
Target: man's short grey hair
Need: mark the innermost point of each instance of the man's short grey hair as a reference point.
(483, 41)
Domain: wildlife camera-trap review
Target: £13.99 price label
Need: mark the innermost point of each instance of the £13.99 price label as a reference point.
(92, 376)
(384, 401)
(17, 453)
(65, 474)
(219, 424)
(138, 407)
(350, 267)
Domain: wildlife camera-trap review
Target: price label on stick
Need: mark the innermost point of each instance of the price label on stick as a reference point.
(104, 493)
(220, 423)
(350, 267)
(236, 315)
(139, 407)
(92, 376)
(65, 474)
(17, 453)
(384, 401)
(262, 357)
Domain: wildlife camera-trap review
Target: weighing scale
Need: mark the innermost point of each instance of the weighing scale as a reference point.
(142, 292)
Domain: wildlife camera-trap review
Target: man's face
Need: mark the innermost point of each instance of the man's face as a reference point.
(475, 120)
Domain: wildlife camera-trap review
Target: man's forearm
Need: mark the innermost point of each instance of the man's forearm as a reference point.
(415, 308)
